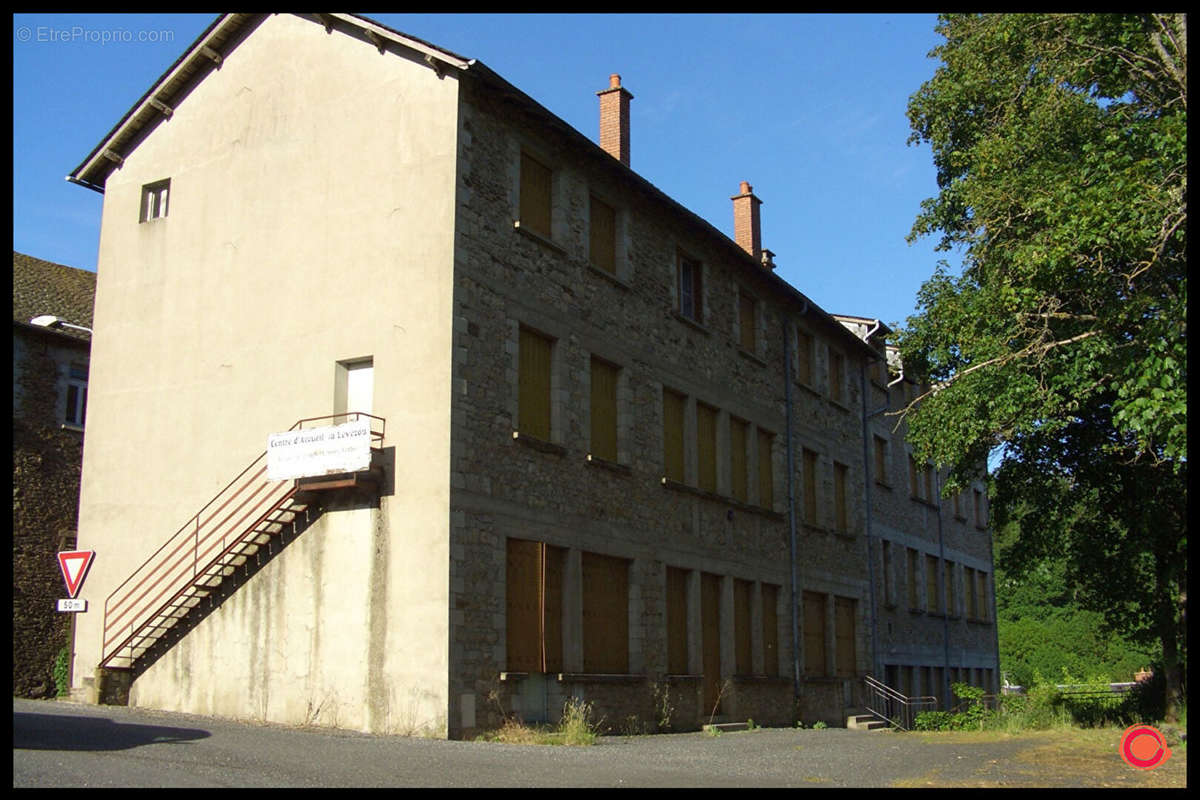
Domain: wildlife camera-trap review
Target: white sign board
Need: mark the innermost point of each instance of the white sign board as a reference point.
(319, 451)
(72, 604)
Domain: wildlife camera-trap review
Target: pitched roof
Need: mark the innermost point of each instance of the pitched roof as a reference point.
(43, 287)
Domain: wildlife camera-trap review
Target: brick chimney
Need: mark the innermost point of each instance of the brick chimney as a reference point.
(614, 119)
(746, 230)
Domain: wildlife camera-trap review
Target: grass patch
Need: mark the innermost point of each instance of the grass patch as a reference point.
(574, 729)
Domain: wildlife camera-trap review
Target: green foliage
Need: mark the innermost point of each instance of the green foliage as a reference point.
(819, 726)
(1060, 142)
(61, 670)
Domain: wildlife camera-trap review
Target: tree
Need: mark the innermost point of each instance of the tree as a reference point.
(1060, 143)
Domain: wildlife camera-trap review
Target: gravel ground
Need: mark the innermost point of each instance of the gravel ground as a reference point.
(68, 744)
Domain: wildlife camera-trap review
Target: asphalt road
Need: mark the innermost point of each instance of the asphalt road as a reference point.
(59, 744)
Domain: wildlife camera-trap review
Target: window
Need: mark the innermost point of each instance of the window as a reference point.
(770, 629)
(737, 459)
(710, 639)
(706, 447)
(958, 506)
(766, 476)
(804, 359)
(881, 461)
(154, 200)
(886, 558)
(533, 412)
(969, 585)
(810, 487)
(980, 521)
(673, 410)
(605, 614)
(535, 195)
(604, 409)
(931, 584)
(77, 377)
(602, 249)
(839, 498)
(533, 605)
(677, 621)
(837, 371)
(948, 586)
(914, 483)
(914, 595)
(747, 322)
(690, 289)
(843, 631)
(927, 472)
(743, 659)
(983, 604)
(814, 634)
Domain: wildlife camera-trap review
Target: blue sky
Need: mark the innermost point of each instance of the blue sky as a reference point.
(810, 109)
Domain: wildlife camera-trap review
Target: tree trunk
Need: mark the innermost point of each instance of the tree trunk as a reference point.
(1168, 635)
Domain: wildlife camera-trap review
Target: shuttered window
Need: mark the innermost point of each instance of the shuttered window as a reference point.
(931, 584)
(690, 289)
(837, 370)
(737, 458)
(914, 588)
(839, 497)
(770, 629)
(948, 586)
(677, 627)
(969, 585)
(533, 606)
(929, 494)
(914, 485)
(747, 322)
(706, 447)
(743, 652)
(814, 634)
(979, 518)
(535, 195)
(605, 614)
(710, 640)
(534, 379)
(604, 409)
(673, 408)
(844, 616)
(886, 552)
(804, 346)
(603, 235)
(984, 606)
(766, 475)
(810, 487)
(881, 475)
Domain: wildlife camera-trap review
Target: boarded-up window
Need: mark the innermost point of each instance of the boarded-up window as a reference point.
(691, 303)
(677, 627)
(810, 487)
(804, 347)
(737, 458)
(533, 411)
(837, 371)
(979, 518)
(881, 475)
(604, 409)
(984, 603)
(914, 587)
(706, 447)
(605, 614)
(747, 322)
(929, 493)
(743, 658)
(770, 629)
(535, 195)
(603, 235)
(839, 498)
(936, 688)
(843, 627)
(969, 585)
(958, 505)
(533, 606)
(673, 408)
(948, 585)
(886, 553)
(914, 483)
(710, 639)
(814, 634)
(931, 584)
(906, 681)
(766, 475)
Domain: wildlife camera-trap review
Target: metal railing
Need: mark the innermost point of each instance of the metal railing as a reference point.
(167, 584)
(893, 707)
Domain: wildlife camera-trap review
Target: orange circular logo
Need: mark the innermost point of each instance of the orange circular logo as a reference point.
(1143, 747)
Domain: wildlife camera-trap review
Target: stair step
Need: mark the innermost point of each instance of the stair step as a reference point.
(725, 727)
(867, 722)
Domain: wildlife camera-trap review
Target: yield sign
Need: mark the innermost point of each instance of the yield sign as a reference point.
(74, 566)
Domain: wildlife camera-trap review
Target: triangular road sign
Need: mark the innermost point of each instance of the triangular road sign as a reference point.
(74, 564)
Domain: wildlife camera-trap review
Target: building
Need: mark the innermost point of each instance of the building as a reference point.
(612, 444)
(50, 374)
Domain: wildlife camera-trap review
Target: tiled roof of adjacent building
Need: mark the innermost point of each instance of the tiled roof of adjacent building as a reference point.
(43, 287)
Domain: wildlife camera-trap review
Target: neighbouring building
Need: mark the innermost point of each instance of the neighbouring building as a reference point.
(616, 456)
(50, 377)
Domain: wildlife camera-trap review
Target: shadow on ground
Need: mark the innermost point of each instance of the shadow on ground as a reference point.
(58, 732)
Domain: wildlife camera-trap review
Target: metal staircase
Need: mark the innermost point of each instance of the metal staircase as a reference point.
(886, 704)
(244, 517)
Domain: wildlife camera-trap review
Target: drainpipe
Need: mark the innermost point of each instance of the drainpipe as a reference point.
(876, 672)
(791, 500)
(937, 492)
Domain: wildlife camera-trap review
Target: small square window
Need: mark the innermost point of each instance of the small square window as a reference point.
(154, 200)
